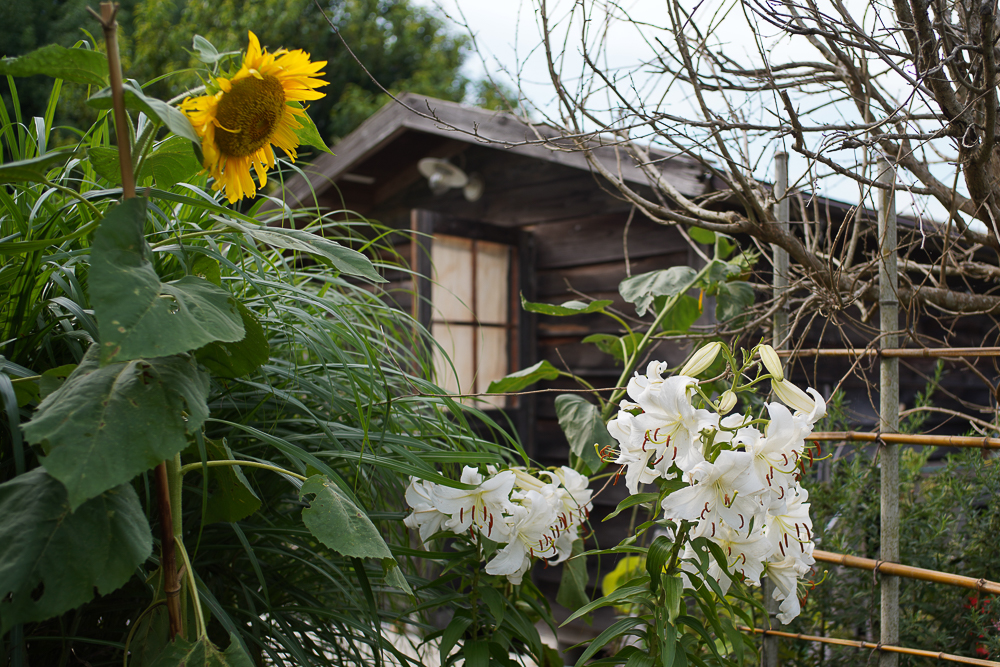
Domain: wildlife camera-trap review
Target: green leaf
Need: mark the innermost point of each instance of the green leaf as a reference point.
(640, 659)
(717, 272)
(567, 308)
(206, 268)
(205, 51)
(52, 558)
(233, 360)
(673, 590)
(53, 378)
(619, 347)
(642, 289)
(105, 425)
(104, 160)
(76, 65)
(202, 653)
(733, 300)
(152, 634)
(27, 391)
(494, 601)
(521, 379)
(155, 109)
(232, 498)
(477, 653)
(394, 576)
(656, 560)
(343, 259)
(34, 169)
(581, 421)
(631, 501)
(456, 628)
(308, 135)
(170, 162)
(572, 592)
(685, 312)
(701, 235)
(618, 629)
(339, 523)
(623, 593)
(137, 315)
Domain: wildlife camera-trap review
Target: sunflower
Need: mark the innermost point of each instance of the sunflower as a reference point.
(250, 112)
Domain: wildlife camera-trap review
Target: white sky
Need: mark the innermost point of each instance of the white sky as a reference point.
(507, 35)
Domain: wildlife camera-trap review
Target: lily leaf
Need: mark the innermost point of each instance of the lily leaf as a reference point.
(52, 559)
(137, 315)
(107, 424)
(526, 377)
(572, 592)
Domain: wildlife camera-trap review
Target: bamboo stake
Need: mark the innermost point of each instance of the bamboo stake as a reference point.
(168, 559)
(897, 352)
(908, 571)
(779, 334)
(888, 281)
(878, 647)
(908, 439)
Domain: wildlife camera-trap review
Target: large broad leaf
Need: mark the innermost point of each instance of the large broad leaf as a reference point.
(567, 308)
(732, 301)
(618, 347)
(202, 653)
(105, 425)
(34, 169)
(339, 523)
(518, 380)
(573, 586)
(137, 315)
(343, 259)
(581, 421)
(170, 162)
(52, 559)
(233, 360)
(173, 118)
(76, 65)
(685, 312)
(642, 289)
(232, 498)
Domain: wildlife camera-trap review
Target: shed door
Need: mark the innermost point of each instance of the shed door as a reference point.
(471, 305)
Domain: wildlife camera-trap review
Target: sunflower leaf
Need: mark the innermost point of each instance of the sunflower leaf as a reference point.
(106, 424)
(308, 135)
(174, 119)
(137, 315)
(339, 523)
(239, 358)
(202, 653)
(76, 65)
(54, 558)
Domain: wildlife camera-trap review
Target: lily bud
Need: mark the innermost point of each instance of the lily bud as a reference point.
(771, 362)
(793, 397)
(701, 360)
(727, 401)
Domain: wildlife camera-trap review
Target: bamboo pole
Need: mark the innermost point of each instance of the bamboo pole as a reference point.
(779, 334)
(897, 352)
(908, 571)
(878, 647)
(888, 281)
(908, 439)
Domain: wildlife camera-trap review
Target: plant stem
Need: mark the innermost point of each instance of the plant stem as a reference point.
(110, 27)
(168, 562)
(199, 618)
(231, 462)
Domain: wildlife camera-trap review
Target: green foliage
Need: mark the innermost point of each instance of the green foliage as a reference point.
(338, 523)
(581, 421)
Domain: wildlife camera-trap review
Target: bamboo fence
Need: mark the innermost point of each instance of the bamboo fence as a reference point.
(897, 352)
(877, 647)
(908, 439)
(908, 571)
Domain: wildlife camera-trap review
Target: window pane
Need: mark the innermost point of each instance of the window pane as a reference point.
(451, 292)
(457, 341)
(492, 278)
(492, 361)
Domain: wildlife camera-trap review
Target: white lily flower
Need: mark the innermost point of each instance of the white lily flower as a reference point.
(771, 362)
(727, 401)
(746, 553)
(701, 360)
(426, 519)
(634, 451)
(641, 387)
(574, 496)
(483, 506)
(775, 452)
(785, 574)
(725, 491)
(530, 523)
(790, 532)
(673, 426)
(809, 405)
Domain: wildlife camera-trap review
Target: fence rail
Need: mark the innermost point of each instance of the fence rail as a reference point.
(877, 647)
(908, 571)
(897, 352)
(908, 439)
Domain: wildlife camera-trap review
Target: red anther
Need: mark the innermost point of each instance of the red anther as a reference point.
(744, 556)
(674, 457)
(473, 513)
(784, 457)
(704, 510)
(713, 529)
(786, 539)
(729, 550)
(586, 512)
(472, 531)
(659, 459)
(541, 547)
(727, 500)
(531, 552)
(808, 532)
(490, 531)
(645, 439)
(656, 434)
(742, 522)
(802, 546)
(782, 547)
(797, 534)
(617, 475)
(461, 514)
(810, 457)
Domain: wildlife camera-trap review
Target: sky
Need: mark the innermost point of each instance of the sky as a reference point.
(507, 38)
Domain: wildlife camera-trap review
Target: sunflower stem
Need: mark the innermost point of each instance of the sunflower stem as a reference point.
(110, 28)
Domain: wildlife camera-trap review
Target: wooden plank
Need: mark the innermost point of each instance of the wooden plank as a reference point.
(588, 241)
(599, 277)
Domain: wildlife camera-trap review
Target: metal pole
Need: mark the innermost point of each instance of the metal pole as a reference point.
(888, 410)
(779, 331)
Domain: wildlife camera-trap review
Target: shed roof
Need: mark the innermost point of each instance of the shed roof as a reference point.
(454, 122)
